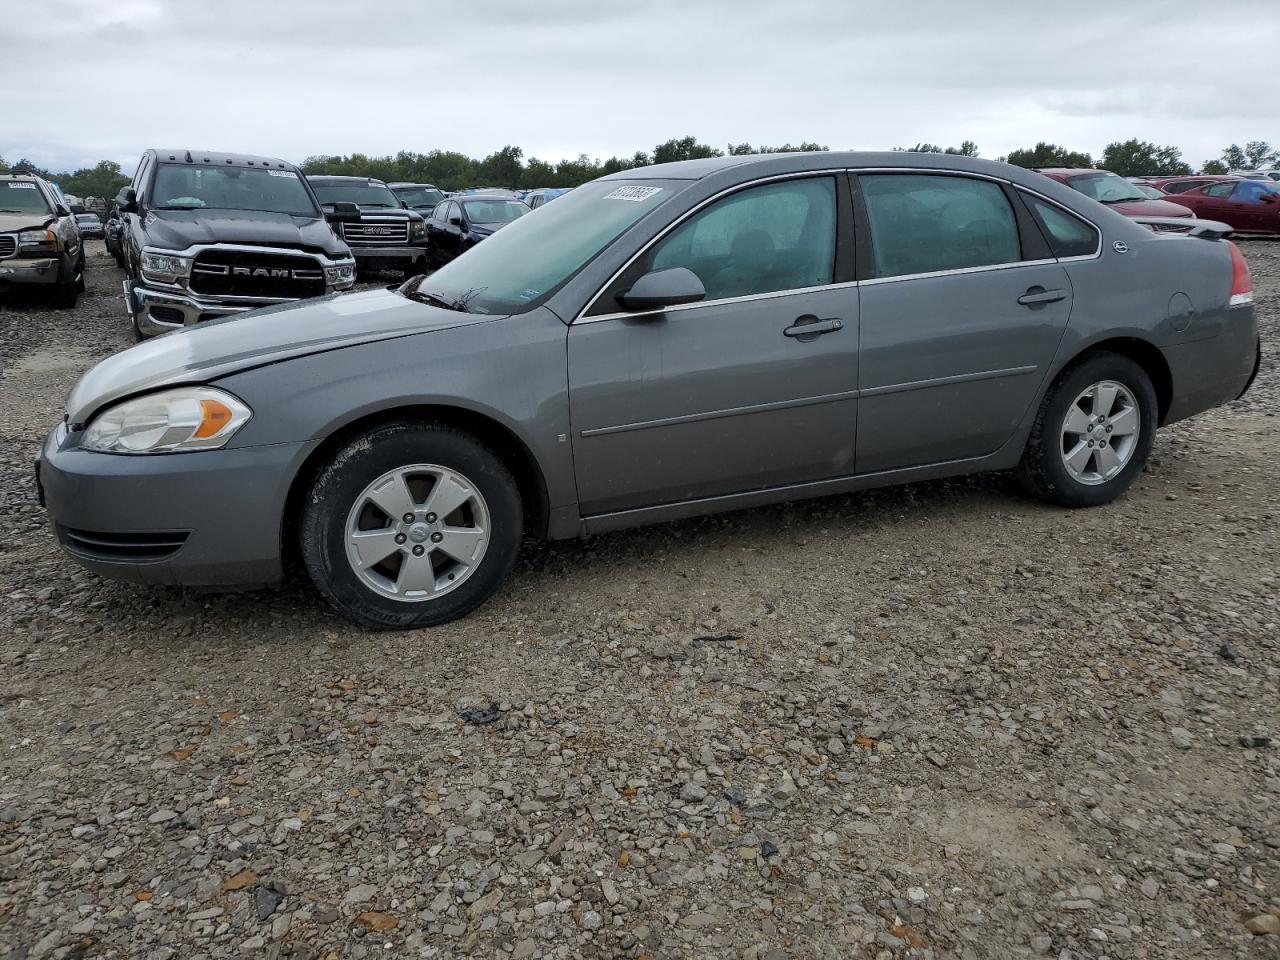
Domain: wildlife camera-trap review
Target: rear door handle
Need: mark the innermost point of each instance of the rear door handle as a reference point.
(1041, 295)
(809, 327)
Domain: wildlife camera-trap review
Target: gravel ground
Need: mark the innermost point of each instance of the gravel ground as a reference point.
(935, 721)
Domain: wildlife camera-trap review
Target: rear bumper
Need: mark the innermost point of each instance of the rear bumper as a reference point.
(208, 519)
(1210, 372)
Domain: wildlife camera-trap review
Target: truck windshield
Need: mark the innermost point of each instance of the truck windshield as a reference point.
(370, 195)
(522, 264)
(22, 196)
(182, 187)
(419, 196)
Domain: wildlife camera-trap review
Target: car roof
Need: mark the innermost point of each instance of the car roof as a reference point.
(220, 159)
(406, 183)
(487, 197)
(765, 164)
(326, 178)
(1069, 171)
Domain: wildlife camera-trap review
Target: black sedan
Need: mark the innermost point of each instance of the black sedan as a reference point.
(459, 223)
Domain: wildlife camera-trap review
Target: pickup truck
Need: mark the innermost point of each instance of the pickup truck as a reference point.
(206, 235)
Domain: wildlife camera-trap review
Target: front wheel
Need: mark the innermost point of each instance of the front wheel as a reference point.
(1092, 434)
(411, 525)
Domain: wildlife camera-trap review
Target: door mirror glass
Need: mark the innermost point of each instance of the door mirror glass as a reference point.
(344, 211)
(664, 288)
(127, 200)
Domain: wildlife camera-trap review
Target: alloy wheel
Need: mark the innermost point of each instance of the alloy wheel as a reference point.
(1100, 432)
(417, 532)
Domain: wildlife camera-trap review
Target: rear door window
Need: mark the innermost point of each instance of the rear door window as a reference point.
(1251, 191)
(921, 223)
(1068, 235)
(1220, 189)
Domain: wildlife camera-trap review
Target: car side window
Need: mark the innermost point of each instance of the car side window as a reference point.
(923, 223)
(1179, 186)
(1251, 191)
(778, 236)
(442, 211)
(1220, 189)
(1068, 235)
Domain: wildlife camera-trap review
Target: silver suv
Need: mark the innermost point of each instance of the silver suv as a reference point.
(39, 241)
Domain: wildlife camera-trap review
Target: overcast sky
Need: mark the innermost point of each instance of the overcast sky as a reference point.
(88, 79)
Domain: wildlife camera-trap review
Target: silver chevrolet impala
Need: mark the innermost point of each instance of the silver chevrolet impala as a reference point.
(661, 343)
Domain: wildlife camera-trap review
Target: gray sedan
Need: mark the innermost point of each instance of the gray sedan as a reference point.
(661, 343)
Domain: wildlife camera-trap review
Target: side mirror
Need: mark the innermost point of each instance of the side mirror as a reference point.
(61, 211)
(344, 211)
(664, 288)
(456, 221)
(127, 200)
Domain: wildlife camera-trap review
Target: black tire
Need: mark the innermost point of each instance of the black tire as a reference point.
(1042, 470)
(67, 288)
(323, 534)
(80, 272)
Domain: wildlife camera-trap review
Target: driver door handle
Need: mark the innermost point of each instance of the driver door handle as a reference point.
(809, 327)
(1040, 295)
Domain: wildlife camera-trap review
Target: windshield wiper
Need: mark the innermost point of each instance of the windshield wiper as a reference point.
(180, 206)
(1122, 199)
(413, 290)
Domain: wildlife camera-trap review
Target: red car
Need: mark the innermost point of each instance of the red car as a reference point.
(1171, 185)
(1116, 192)
(1247, 206)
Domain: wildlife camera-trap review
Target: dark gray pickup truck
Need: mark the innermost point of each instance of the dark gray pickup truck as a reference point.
(205, 235)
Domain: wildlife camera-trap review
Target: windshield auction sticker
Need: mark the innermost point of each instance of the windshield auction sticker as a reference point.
(635, 194)
(17, 185)
(283, 173)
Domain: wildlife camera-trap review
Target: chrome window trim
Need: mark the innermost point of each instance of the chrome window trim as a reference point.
(1097, 253)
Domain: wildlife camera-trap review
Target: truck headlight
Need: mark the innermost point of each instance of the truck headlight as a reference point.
(172, 421)
(38, 241)
(164, 267)
(341, 276)
(417, 229)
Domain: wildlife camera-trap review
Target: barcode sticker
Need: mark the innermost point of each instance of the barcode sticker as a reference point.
(283, 173)
(18, 185)
(635, 194)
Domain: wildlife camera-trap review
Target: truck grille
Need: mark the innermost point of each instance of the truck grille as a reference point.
(239, 273)
(373, 232)
(8, 245)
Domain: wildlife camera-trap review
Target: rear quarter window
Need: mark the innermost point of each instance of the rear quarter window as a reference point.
(1068, 235)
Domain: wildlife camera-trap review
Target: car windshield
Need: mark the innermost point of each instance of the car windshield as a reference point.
(22, 196)
(419, 196)
(521, 265)
(1105, 187)
(366, 195)
(1149, 192)
(494, 211)
(87, 218)
(179, 186)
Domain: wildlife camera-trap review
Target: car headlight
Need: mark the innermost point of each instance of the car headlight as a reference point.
(38, 240)
(417, 228)
(172, 421)
(165, 267)
(342, 275)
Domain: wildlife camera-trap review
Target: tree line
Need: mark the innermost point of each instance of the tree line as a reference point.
(508, 167)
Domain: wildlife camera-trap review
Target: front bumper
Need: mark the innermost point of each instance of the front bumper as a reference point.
(207, 519)
(393, 258)
(159, 311)
(28, 270)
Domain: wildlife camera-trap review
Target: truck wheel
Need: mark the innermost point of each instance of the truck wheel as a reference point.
(411, 525)
(1092, 434)
(67, 288)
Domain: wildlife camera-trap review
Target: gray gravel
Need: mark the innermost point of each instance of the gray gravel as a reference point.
(937, 721)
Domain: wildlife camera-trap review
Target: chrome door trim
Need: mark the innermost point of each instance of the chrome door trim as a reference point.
(959, 271)
(947, 381)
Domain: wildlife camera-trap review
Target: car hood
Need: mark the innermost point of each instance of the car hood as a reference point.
(10, 222)
(220, 347)
(1150, 208)
(179, 229)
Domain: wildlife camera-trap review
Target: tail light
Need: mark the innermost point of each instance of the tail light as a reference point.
(1241, 281)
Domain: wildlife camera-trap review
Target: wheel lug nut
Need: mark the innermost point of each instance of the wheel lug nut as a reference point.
(407, 518)
(1108, 428)
(1090, 428)
(437, 537)
(431, 518)
(400, 538)
(418, 551)
(1091, 443)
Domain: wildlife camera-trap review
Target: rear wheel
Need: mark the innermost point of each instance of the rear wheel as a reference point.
(411, 525)
(1093, 433)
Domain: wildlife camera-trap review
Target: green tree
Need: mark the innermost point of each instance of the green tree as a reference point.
(4, 167)
(504, 168)
(104, 180)
(744, 149)
(1047, 155)
(1260, 154)
(1214, 168)
(686, 149)
(1234, 158)
(966, 149)
(1140, 158)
